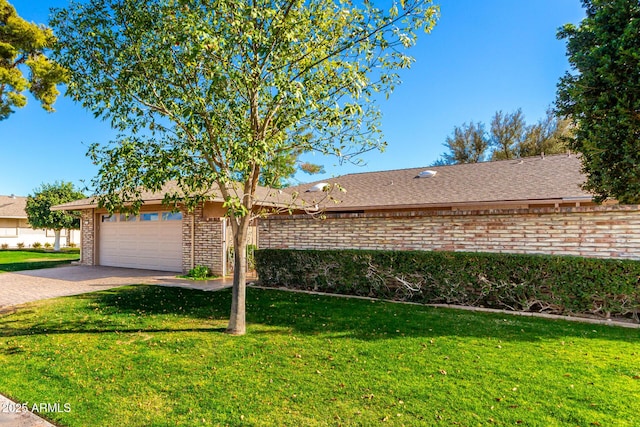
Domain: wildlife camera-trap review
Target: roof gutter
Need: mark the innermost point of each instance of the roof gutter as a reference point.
(69, 207)
(459, 205)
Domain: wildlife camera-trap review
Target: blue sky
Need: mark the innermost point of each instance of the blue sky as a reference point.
(482, 56)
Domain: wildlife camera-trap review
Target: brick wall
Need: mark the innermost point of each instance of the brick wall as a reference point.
(602, 231)
(208, 249)
(87, 237)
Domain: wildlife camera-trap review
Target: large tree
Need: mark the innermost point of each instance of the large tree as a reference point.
(208, 93)
(467, 144)
(550, 135)
(506, 133)
(23, 63)
(39, 211)
(509, 137)
(602, 96)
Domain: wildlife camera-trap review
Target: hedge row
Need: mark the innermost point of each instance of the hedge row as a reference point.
(539, 283)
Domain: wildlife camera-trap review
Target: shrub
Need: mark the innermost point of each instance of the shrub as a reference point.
(251, 259)
(36, 245)
(199, 272)
(540, 283)
(4, 246)
(72, 245)
(48, 245)
(20, 245)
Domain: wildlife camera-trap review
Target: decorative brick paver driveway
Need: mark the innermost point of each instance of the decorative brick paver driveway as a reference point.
(25, 286)
(32, 285)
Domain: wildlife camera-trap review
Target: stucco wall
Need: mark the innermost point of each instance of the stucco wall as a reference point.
(603, 231)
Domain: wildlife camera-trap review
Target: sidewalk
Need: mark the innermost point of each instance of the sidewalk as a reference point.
(10, 418)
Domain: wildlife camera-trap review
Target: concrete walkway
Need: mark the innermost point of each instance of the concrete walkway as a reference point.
(10, 417)
(33, 285)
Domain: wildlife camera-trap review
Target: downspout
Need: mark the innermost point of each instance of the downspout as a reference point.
(95, 247)
(81, 234)
(193, 240)
(224, 246)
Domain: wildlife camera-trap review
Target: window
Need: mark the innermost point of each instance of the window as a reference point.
(149, 216)
(127, 218)
(108, 218)
(171, 216)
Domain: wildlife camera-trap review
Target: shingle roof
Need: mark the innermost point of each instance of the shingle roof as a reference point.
(264, 197)
(13, 207)
(533, 179)
(529, 180)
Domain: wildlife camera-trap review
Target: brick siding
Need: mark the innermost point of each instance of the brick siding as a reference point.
(208, 248)
(601, 231)
(87, 237)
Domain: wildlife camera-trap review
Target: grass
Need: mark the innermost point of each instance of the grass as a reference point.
(32, 259)
(154, 356)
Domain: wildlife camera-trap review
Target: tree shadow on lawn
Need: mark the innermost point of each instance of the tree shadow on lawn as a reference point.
(300, 313)
(35, 265)
(77, 328)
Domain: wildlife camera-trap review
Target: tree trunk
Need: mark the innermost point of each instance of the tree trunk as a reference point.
(237, 322)
(56, 241)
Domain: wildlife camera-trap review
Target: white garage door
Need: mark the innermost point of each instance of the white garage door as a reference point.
(150, 240)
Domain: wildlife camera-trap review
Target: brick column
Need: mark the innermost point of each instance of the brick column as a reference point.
(207, 249)
(87, 237)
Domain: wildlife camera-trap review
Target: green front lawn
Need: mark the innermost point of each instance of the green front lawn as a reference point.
(154, 356)
(32, 259)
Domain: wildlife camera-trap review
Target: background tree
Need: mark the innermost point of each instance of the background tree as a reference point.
(467, 144)
(550, 135)
(22, 45)
(311, 168)
(506, 133)
(210, 93)
(41, 216)
(510, 137)
(602, 96)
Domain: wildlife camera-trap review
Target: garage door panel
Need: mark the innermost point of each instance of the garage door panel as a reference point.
(154, 245)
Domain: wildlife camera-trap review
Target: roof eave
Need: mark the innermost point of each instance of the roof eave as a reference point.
(65, 207)
(460, 205)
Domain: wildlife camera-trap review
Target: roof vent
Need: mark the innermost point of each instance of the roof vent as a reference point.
(427, 174)
(321, 186)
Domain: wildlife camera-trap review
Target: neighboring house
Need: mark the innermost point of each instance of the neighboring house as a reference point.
(532, 205)
(15, 228)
